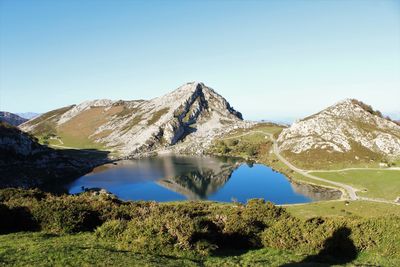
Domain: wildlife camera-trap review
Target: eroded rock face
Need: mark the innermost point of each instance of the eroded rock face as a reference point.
(346, 126)
(192, 112)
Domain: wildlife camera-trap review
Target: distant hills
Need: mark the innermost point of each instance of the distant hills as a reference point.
(28, 115)
(10, 118)
(349, 131)
(187, 119)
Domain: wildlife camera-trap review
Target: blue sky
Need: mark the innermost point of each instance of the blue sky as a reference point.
(271, 59)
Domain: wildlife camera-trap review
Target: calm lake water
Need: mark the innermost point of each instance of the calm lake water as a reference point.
(171, 178)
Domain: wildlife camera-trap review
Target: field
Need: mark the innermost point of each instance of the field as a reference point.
(85, 249)
(359, 208)
(246, 143)
(381, 184)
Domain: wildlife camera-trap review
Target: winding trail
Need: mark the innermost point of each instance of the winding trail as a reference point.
(349, 190)
(359, 169)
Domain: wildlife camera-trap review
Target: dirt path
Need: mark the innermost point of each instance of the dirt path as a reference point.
(350, 191)
(360, 169)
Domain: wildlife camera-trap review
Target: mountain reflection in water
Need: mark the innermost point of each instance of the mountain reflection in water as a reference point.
(170, 178)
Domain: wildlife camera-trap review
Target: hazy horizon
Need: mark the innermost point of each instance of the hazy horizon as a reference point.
(272, 60)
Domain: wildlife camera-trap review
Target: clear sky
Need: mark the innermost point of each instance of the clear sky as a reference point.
(270, 59)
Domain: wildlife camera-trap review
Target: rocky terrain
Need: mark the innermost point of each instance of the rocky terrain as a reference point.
(347, 131)
(11, 118)
(185, 121)
(26, 163)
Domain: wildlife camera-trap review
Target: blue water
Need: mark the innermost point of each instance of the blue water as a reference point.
(172, 178)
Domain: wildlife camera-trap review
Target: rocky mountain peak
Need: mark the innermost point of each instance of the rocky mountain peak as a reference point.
(351, 109)
(349, 126)
(193, 111)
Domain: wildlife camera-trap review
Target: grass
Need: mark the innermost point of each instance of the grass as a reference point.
(246, 143)
(276, 164)
(84, 249)
(265, 127)
(359, 208)
(77, 131)
(382, 184)
(45, 124)
(89, 230)
(156, 116)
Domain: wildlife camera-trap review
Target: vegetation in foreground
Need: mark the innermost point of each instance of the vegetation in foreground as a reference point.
(98, 229)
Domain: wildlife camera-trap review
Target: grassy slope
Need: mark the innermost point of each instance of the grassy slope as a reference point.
(359, 208)
(77, 131)
(85, 249)
(383, 184)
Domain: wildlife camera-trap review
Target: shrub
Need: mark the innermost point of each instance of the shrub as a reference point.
(64, 215)
(111, 229)
(169, 231)
(303, 236)
(242, 226)
(233, 142)
(195, 227)
(16, 219)
(251, 150)
(18, 194)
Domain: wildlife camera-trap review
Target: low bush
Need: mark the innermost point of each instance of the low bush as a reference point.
(15, 219)
(64, 215)
(111, 229)
(195, 227)
(252, 150)
(242, 226)
(9, 194)
(233, 142)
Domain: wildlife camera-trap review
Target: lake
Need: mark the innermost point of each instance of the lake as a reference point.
(173, 178)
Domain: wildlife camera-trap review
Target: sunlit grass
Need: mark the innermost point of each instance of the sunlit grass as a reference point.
(384, 184)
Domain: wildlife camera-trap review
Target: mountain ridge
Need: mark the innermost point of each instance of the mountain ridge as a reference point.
(11, 118)
(349, 128)
(140, 126)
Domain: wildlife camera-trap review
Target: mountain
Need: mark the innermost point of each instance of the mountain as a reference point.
(26, 163)
(28, 115)
(16, 144)
(11, 118)
(349, 131)
(191, 116)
